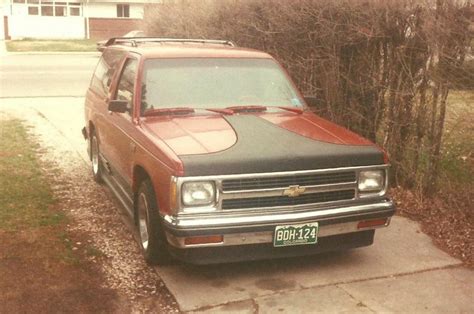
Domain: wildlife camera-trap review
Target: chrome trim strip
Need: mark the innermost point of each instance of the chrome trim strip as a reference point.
(290, 208)
(267, 236)
(182, 210)
(218, 220)
(282, 173)
(280, 191)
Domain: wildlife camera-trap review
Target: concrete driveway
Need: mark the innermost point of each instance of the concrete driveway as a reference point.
(402, 272)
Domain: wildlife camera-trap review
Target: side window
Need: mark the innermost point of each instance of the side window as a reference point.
(126, 85)
(105, 71)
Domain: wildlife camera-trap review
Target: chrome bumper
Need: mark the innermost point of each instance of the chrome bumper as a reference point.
(247, 228)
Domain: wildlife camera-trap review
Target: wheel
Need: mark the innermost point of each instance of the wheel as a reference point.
(152, 237)
(97, 167)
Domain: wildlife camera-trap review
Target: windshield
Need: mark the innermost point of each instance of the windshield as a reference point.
(215, 83)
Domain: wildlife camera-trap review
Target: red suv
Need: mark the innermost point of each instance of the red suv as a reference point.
(216, 156)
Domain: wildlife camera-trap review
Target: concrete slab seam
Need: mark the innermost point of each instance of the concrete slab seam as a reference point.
(359, 302)
(210, 307)
(452, 266)
(336, 284)
(255, 306)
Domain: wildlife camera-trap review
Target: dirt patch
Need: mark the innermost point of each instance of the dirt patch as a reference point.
(37, 278)
(96, 233)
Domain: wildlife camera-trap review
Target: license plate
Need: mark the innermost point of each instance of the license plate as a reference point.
(296, 234)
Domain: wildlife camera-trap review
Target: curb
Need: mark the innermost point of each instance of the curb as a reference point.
(91, 53)
(3, 48)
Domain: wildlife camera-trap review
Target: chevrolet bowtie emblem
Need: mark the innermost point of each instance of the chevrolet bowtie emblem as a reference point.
(294, 191)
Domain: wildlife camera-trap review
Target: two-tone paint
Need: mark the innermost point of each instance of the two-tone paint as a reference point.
(134, 147)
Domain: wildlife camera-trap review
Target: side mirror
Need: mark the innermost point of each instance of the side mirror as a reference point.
(119, 106)
(311, 101)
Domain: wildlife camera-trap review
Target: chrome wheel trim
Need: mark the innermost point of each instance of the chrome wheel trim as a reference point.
(95, 155)
(142, 220)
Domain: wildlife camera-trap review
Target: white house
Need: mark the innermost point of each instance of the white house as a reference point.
(71, 19)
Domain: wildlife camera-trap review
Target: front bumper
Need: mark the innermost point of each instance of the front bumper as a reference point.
(250, 236)
(253, 252)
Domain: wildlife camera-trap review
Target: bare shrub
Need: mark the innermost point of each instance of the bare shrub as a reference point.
(381, 68)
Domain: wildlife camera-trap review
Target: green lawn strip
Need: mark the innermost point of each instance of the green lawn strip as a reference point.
(458, 146)
(43, 267)
(30, 45)
(25, 194)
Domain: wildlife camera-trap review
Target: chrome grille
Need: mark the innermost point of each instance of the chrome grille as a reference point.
(285, 181)
(274, 201)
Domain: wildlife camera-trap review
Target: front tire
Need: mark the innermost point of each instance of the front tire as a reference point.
(97, 167)
(152, 237)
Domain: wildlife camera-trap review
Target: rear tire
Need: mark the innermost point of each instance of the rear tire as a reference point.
(97, 166)
(151, 234)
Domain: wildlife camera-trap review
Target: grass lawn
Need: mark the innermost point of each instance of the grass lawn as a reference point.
(31, 45)
(25, 195)
(447, 216)
(41, 270)
(458, 138)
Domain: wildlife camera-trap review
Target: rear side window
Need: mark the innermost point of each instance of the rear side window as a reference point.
(105, 71)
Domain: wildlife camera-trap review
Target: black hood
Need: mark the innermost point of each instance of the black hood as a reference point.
(264, 147)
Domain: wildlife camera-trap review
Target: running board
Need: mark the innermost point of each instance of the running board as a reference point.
(126, 202)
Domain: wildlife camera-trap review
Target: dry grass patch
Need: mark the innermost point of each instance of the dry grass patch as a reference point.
(30, 45)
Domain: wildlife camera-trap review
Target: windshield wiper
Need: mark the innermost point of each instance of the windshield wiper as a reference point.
(292, 109)
(257, 108)
(249, 108)
(228, 111)
(219, 110)
(168, 111)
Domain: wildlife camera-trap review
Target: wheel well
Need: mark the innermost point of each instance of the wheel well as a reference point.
(139, 175)
(91, 130)
(91, 127)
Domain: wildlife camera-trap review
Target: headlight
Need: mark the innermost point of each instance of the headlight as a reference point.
(371, 180)
(198, 193)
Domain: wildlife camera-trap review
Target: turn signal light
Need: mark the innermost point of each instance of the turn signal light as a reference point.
(204, 240)
(371, 223)
(173, 196)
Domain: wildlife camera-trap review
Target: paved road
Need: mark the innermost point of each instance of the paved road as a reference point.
(26, 75)
(402, 272)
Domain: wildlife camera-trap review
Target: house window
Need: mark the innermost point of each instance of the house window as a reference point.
(60, 11)
(47, 10)
(74, 9)
(52, 8)
(33, 10)
(123, 10)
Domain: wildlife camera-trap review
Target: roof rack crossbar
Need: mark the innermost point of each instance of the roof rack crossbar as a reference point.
(134, 41)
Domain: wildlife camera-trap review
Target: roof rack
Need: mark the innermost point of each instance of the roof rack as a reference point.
(134, 41)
